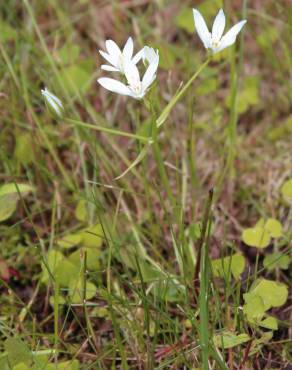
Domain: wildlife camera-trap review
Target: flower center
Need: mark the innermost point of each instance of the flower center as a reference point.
(215, 44)
(134, 84)
(136, 87)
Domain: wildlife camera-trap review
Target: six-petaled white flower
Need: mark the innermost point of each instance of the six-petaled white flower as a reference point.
(136, 88)
(214, 40)
(124, 62)
(53, 102)
(118, 58)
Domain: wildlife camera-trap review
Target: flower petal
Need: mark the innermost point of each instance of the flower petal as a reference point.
(132, 75)
(114, 86)
(138, 56)
(113, 50)
(202, 28)
(150, 54)
(105, 67)
(108, 57)
(47, 93)
(218, 26)
(54, 102)
(230, 36)
(150, 73)
(128, 48)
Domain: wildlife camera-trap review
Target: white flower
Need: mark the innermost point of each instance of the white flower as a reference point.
(149, 54)
(135, 87)
(53, 102)
(118, 58)
(214, 40)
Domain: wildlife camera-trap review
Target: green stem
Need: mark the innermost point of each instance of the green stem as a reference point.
(10, 66)
(159, 121)
(232, 128)
(165, 113)
(204, 285)
(256, 266)
(90, 331)
(231, 132)
(160, 165)
(56, 320)
(204, 231)
(108, 130)
(191, 148)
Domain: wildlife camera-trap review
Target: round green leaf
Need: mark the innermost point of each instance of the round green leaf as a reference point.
(269, 323)
(9, 196)
(13, 188)
(229, 339)
(81, 211)
(61, 300)
(75, 258)
(272, 293)
(76, 290)
(92, 237)
(69, 241)
(274, 227)
(50, 265)
(254, 307)
(286, 189)
(65, 271)
(8, 205)
(276, 260)
(93, 258)
(234, 264)
(256, 237)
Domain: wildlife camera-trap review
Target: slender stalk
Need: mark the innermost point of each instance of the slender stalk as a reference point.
(231, 131)
(204, 285)
(192, 146)
(232, 128)
(9, 66)
(201, 241)
(118, 339)
(107, 130)
(165, 113)
(56, 320)
(256, 266)
(90, 331)
(160, 164)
